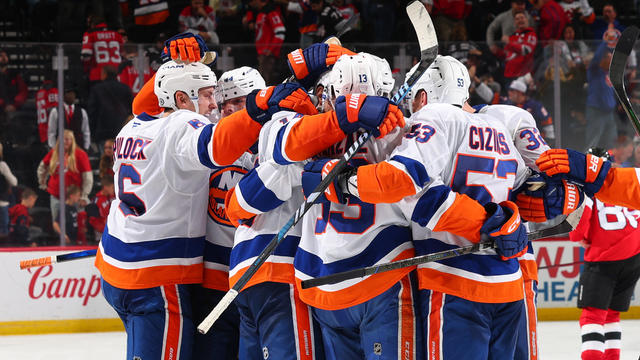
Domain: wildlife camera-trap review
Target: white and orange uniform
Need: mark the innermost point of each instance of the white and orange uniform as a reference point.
(154, 240)
(452, 162)
(530, 144)
(340, 237)
(271, 310)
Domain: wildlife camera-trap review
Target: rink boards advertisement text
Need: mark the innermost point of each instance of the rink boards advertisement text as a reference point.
(67, 297)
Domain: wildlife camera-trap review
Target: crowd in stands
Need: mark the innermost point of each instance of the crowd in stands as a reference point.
(515, 51)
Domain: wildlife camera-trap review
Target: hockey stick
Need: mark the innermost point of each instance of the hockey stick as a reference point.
(559, 230)
(560, 265)
(616, 71)
(429, 49)
(48, 260)
(562, 229)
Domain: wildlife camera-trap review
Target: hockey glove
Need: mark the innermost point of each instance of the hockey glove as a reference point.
(372, 113)
(187, 48)
(553, 199)
(307, 65)
(586, 170)
(262, 104)
(505, 228)
(315, 171)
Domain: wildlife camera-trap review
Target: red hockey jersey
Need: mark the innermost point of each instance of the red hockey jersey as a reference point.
(612, 231)
(100, 47)
(46, 99)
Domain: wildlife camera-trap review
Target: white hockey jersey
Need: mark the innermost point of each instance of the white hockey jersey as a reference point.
(471, 154)
(155, 230)
(220, 230)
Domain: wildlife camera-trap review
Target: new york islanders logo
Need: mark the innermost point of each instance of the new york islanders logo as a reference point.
(220, 182)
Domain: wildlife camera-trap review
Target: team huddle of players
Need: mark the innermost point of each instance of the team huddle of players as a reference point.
(198, 201)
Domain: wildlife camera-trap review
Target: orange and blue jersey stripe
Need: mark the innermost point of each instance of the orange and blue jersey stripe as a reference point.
(149, 264)
(391, 243)
(216, 266)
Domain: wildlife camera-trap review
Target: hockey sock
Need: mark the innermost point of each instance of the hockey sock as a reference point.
(592, 331)
(612, 335)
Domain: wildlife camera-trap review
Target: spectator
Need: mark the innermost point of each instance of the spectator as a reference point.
(199, 19)
(129, 69)
(266, 21)
(109, 106)
(518, 97)
(46, 99)
(7, 181)
(330, 20)
(351, 17)
(100, 48)
(600, 26)
(622, 151)
(519, 48)
(20, 218)
(98, 210)
(13, 90)
(70, 216)
(503, 25)
(449, 17)
(602, 129)
(307, 23)
(229, 20)
(76, 120)
(149, 18)
(153, 53)
(579, 14)
(77, 171)
(106, 160)
(575, 53)
(552, 20)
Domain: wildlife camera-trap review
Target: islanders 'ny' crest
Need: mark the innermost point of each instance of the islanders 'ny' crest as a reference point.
(220, 182)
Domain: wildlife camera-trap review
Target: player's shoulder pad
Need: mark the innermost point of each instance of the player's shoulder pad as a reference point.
(187, 119)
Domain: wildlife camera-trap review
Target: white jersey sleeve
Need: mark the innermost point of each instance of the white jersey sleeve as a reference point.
(522, 128)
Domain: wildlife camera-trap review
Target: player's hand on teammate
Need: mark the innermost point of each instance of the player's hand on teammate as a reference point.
(315, 171)
(504, 226)
(262, 104)
(372, 113)
(187, 48)
(584, 169)
(552, 199)
(308, 64)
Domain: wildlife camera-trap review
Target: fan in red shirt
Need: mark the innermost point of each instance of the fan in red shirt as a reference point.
(100, 47)
(98, 210)
(520, 47)
(266, 20)
(46, 99)
(77, 171)
(611, 236)
(552, 20)
(128, 74)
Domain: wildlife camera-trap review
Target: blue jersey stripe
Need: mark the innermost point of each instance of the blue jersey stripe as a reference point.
(485, 265)
(278, 148)
(216, 253)
(256, 194)
(151, 250)
(252, 248)
(203, 146)
(415, 169)
(386, 241)
(429, 203)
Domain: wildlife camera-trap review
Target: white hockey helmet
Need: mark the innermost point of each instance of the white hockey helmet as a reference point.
(240, 82)
(361, 73)
(445, 81)
(189, 78)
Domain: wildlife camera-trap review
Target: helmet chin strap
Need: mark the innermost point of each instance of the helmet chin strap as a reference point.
(195, 104)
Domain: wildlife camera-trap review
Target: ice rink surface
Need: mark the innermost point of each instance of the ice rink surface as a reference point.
(559, 340)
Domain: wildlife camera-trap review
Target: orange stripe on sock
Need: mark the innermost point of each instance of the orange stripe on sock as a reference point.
(302, 318)
(532, 323)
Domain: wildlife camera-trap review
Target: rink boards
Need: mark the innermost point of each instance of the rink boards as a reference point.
(67, 297)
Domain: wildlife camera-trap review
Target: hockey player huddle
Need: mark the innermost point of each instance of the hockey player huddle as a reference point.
(198, 201)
